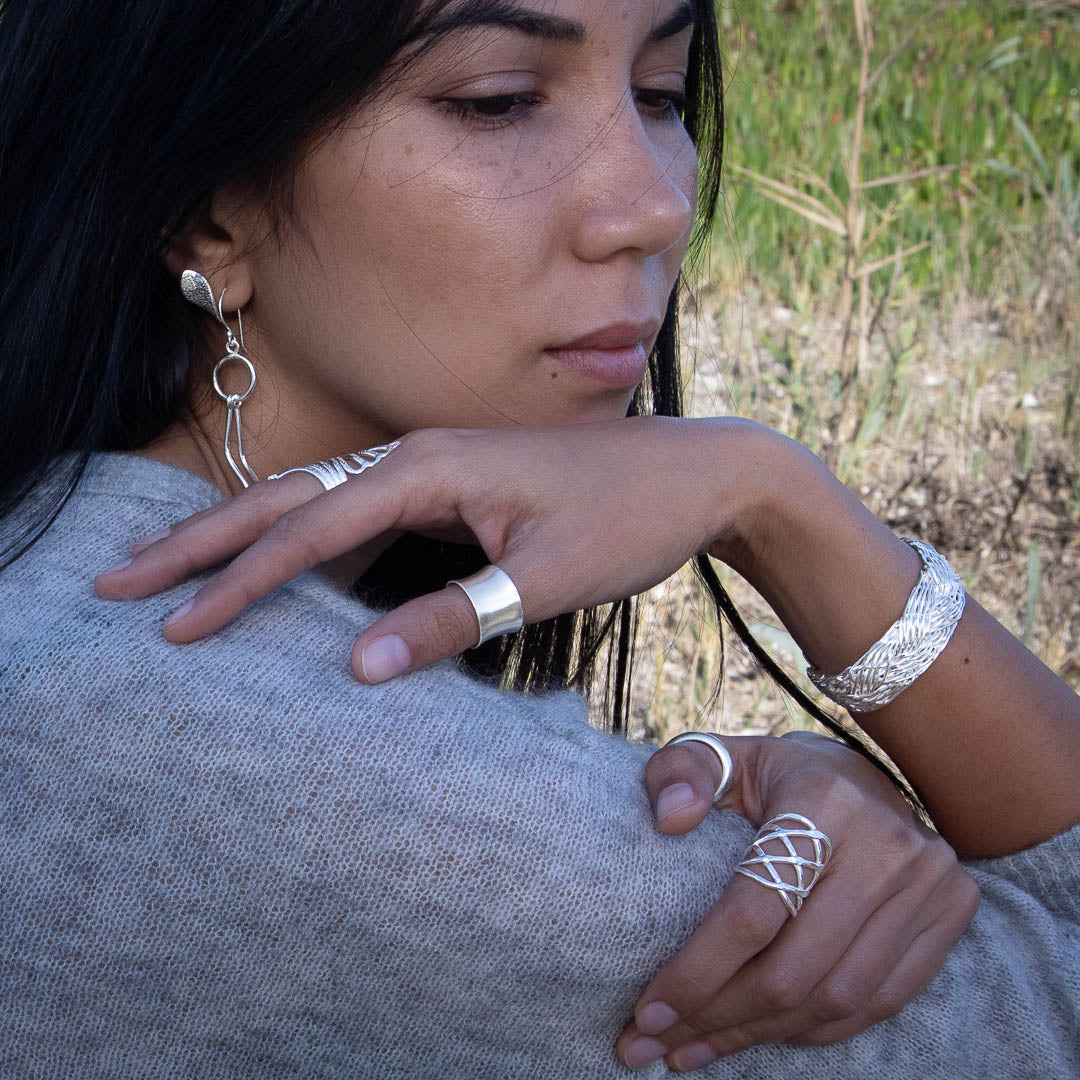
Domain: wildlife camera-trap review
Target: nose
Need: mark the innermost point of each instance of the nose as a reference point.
(636, 192)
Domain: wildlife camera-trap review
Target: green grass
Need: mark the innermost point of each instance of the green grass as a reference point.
(990, 87)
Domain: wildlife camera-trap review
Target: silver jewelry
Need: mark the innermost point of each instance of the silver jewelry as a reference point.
(718, 748)
(337, 470)
(908, 647)
(196, 290)
(775, 861)
(495, 600)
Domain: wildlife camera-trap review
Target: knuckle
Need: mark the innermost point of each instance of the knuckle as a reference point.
(885, 1003)
(750, 926)
(433, 444)
(781, 990)
(296, 532)
(840, 794)
(184, 563)
(838, 999)
(947, 863)
(901, 843)
(736, 1039)
(688, 987)
(449, 624)
(970, 898)
(691, 1027)
(822, 1036)
(262, 501)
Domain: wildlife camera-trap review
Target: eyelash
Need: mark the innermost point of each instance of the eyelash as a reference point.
(677, 107)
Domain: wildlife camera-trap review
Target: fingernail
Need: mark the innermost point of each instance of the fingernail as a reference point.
(119, 566)
(673, 798)
(642, 1052)
(655, 1017)
(153, 538)
(179, 613)
(694, 1056)
(384, 658)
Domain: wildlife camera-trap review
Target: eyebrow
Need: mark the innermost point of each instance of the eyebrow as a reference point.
(685, 16)
(509, 15)
(538, 24)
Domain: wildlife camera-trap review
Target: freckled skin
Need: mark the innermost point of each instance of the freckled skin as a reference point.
(435, 258)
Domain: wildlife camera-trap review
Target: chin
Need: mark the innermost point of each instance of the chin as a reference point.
(593, 411)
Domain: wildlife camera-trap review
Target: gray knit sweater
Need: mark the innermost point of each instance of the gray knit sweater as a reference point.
(232, 860)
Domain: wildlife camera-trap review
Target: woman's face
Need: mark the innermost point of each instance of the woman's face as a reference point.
(491, 241)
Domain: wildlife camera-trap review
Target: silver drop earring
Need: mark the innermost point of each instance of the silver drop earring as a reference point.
(196, 290)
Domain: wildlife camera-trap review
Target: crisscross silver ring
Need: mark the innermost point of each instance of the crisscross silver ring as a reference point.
(789, 858)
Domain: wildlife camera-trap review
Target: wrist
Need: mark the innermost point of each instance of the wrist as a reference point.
(835, 575)
(757, 510)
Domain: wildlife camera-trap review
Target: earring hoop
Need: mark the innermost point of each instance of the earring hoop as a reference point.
(196, 290)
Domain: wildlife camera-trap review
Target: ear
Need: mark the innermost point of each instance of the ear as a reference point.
(214, 242)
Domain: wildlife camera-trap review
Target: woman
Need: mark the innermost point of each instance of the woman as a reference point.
(452, 214)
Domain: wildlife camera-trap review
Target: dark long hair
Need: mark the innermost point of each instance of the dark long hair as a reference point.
(117, 121)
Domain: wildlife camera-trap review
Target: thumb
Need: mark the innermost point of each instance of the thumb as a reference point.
(414, 635)
(681, 780)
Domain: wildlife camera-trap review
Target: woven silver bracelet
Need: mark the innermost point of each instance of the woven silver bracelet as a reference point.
(908, 647)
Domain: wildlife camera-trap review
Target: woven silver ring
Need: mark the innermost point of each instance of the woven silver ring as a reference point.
(789, 855)
(718, 748)
(496, 601)
(337, 470)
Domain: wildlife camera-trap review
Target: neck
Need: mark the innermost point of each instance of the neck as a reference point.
(193, 444)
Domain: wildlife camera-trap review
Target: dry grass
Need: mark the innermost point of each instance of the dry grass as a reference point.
(959, 440)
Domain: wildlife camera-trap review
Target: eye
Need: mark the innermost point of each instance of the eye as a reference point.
(496, 111)
(664, 104)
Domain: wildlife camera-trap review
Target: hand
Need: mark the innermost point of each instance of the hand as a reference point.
(871, 935)
(577, 516)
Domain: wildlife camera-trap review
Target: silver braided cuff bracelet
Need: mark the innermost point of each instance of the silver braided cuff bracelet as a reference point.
(908, 647)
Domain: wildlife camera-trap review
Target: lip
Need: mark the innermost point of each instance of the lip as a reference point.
(616, 336)
(614, 355)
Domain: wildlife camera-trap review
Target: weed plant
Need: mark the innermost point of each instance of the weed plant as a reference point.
(955, 419)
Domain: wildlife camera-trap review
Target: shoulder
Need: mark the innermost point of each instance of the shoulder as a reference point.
(409, 839)
(272, 692)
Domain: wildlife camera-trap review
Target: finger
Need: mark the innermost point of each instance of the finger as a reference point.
(414, 635)
(785, 991)
(202, 540)
(933, 911)
(811, 738)
(173, 530)
(957, 898)
(736, 928)
(838, 922)
(681, 781)
(907, 980)
(314, 532)
(740, 925)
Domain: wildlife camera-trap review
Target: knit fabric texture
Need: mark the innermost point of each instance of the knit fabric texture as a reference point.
(231, 860)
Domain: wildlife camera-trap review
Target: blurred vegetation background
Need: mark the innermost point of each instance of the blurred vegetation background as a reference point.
(895, 282)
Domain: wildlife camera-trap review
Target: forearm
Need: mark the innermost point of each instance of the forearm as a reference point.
(985, 729)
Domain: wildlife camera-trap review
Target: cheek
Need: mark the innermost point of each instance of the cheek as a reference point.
(442, 223)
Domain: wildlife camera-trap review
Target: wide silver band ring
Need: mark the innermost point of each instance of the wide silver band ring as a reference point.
(718, 748)
(337, 470)
(495, 600)
(789, 855)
